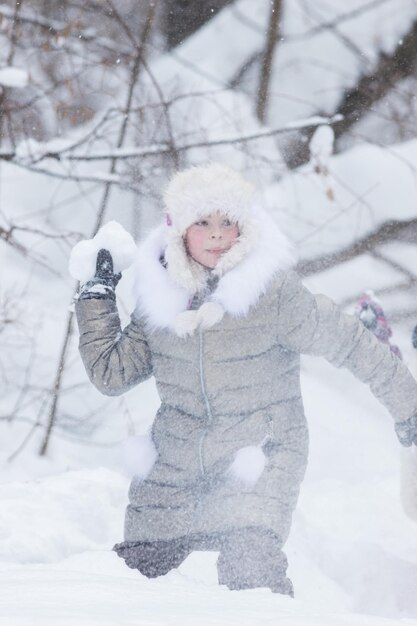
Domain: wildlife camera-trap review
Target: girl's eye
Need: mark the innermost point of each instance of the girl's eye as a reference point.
(227, 223)
(202, 223)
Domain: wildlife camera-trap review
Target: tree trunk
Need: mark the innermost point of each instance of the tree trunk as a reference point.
(370, 88)
(181, 18)
(267, 59)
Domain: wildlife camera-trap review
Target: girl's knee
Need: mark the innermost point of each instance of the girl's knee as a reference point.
(154, 558)
(253, 558)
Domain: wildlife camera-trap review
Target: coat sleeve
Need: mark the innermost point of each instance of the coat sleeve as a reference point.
(115, 360)
(314, 324)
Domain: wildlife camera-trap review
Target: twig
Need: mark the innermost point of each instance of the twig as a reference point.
(86, 178)
(172, 151)
(166, 148)
(330, 24)
(386, 232)
(7, 237)
(412, 278)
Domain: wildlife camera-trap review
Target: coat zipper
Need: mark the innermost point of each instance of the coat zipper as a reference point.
(206, 401)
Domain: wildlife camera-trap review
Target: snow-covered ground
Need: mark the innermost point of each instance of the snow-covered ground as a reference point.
(352, 550)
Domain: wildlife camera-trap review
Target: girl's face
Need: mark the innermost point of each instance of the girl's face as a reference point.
(209, 238)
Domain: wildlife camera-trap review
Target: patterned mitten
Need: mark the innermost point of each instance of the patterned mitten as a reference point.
(103, 285)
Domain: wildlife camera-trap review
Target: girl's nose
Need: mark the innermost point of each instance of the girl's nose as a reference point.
(216, 233)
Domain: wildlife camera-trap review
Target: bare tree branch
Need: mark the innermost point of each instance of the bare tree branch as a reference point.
(172, 149)
(7, 235)
(105, 178)
(140, 48)
(370, 88)
(166, 148)
(289, 38)
(100, 216)
(334, 28)
(58, 29)
(412, 278)
(337, 21)
(389, 231)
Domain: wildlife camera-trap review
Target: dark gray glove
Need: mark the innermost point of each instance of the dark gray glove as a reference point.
(103, 285)
(407, 431)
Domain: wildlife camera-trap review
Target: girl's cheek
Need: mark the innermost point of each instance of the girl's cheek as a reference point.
(233, 233)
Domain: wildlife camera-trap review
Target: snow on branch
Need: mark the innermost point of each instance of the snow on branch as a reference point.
(166, 148)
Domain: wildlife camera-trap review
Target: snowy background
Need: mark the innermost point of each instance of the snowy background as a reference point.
(353, 545)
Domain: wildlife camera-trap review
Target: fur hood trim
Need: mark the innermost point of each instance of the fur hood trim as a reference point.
(161, 300)
(241, 287)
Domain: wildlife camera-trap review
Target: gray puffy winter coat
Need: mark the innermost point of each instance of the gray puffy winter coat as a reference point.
(232, 385)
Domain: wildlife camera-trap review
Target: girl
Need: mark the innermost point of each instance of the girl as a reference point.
(221, 321)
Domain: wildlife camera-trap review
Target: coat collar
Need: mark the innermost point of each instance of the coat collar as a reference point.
(161, 300)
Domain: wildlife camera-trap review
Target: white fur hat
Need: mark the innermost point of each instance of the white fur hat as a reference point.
(202, 190)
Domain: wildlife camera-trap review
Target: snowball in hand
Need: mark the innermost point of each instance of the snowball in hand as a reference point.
(112, 237)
